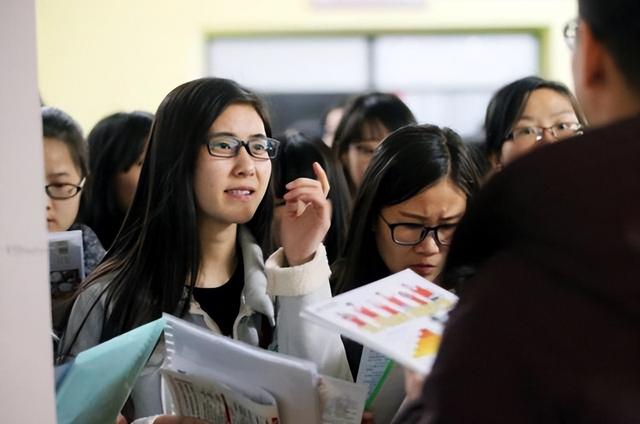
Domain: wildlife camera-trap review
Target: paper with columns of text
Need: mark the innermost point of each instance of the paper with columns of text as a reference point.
(258, 376)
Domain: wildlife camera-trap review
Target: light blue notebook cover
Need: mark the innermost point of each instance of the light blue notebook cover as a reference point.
(98, 383)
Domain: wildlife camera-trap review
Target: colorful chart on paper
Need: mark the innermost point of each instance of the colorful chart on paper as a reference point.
(401, 316)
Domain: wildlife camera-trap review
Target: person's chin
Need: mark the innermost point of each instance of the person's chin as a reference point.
(53, 227)
(244, 215)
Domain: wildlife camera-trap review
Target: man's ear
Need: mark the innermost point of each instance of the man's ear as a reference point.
(590, 59)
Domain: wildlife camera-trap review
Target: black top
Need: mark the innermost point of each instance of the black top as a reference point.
(222, 303)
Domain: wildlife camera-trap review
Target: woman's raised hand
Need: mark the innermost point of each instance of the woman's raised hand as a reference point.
(307, 216)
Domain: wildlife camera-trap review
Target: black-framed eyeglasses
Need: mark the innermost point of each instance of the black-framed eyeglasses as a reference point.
(62, 191)
(411, 234)
(570, 32)
(534, 133)
(228, 146)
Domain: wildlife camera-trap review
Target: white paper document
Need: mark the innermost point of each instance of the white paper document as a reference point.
(255, 373)
(342, 401)
(401, 316)
(217, 403)
(66, 262)
(384, 380)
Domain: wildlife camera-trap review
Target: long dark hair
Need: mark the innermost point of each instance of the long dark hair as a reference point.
(407, 162)
(115, 144)
(295, 159)
(369, 112)
(157, 251)
(508, 104)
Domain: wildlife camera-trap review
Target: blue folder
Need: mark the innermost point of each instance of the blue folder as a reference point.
(97, 384)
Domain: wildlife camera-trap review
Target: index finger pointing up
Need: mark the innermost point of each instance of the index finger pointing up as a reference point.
(322, 178)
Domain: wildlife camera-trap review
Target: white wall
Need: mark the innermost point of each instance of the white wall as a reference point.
(26, 390)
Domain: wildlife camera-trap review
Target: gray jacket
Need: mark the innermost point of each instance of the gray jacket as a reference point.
(292, 288)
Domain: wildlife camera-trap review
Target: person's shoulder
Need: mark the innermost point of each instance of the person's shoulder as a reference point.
(91, 240)
(95, 289)
(94, 251)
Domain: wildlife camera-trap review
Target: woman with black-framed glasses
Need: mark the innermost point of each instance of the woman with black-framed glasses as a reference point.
(66, 169)
(191, 243)
(413, 194)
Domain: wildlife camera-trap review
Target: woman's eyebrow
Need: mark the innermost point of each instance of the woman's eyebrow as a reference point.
(58, 174)
(230, 134)
(530, 118)
(413, 215)
(425, 218)
(452, 217)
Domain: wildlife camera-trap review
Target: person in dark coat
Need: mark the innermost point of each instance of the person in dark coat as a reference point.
(547, 329)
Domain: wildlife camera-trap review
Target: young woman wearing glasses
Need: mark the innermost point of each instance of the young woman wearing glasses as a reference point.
(529, 113)
(412, 196)
(191, 242)
(66, 168)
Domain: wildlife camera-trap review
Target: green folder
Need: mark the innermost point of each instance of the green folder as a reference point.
(100, 380)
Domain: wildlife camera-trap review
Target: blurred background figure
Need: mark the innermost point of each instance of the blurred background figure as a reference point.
(366, 121)
(296, 155)
(330, 122)
(529, 113)
(117, 145)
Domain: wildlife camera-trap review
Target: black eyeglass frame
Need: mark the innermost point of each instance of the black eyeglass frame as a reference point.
(271, 153)
(423, 235)
(77, 189)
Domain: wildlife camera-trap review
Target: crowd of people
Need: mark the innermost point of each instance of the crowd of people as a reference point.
(207, 215)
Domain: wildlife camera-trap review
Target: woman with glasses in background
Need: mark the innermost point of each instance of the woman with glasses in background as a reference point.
(413, 195)
(191, 242)
(66, 167)
(529, 113)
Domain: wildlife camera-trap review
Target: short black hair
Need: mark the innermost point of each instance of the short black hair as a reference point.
(59, 125)
(616, 23)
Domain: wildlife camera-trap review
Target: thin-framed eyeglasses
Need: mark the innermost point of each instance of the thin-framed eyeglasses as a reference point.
(534, 133)
(570, 33)
(225, 145)
(412, 234)
(62, 191)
